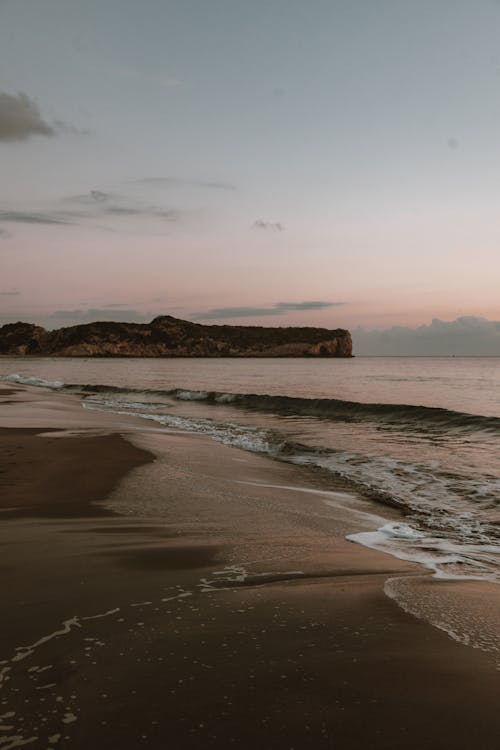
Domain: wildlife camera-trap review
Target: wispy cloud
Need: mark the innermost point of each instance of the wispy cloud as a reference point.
(308, 305)
(20, 118)
(28, 217)
(169, 182)
(279, 308)
(74, 317)
(10, 293)
(98, 203)
(269, 226)
(91, 207)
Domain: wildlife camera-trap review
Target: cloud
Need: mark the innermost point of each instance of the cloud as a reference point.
(80, 316)
(10, 293)
(4, 233)
(310, 305)
(268, 225)
(161, 213)
(168, 182)
(20, 118)
(98, 204)
(279, 308)
(467, 336)
(27, 217)
(93, 206)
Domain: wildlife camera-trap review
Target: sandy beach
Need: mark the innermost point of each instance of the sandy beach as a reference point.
(163, 590)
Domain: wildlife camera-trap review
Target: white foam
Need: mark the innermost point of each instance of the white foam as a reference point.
(445, 558)
(401, 531)
(251, 439)
(233, 575)
(183, 595)
(24, 651)
(191, 395)
(26, 380)
(448, 501)
(98, 616)
(225, 398)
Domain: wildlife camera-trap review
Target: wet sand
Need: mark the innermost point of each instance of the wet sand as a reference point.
(42, 476)
(162, 590)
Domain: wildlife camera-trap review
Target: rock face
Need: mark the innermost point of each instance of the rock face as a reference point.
(166, 336)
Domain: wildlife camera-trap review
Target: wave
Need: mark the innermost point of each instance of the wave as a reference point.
(38, 382)
(254, 439)
(411, 416)
(325, 408)
(354, 411)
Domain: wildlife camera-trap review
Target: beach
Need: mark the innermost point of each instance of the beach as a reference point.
(162, 589)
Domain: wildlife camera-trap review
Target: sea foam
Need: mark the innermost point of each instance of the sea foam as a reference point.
(27, 380)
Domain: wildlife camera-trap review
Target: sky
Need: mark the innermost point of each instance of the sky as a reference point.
(275, 162)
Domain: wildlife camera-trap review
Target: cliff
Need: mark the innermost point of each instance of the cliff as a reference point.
(166, 336)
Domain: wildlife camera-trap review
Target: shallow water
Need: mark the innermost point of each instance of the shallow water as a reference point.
(419, 433)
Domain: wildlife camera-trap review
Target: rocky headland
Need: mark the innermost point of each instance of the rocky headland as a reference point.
(166, 336)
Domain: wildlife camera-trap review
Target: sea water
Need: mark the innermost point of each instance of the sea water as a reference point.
(421, 434)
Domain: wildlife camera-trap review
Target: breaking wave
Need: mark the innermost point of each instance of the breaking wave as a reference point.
(323, 408)
(38, 382)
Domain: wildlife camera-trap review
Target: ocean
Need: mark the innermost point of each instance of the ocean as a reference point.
(419, 434)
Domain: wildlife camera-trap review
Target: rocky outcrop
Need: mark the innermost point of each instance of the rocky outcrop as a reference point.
(166, 336)
(22, 338)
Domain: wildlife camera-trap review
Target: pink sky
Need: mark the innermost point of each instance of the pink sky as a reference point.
(216, 162)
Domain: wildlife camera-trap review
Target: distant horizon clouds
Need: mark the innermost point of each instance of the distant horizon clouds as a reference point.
(466, 335)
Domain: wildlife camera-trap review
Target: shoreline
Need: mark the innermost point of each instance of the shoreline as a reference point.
(190, 597)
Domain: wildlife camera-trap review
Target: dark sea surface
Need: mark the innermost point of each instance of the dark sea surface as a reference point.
(422, 434)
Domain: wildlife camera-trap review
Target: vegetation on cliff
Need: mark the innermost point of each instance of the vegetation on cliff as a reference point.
(166, 336)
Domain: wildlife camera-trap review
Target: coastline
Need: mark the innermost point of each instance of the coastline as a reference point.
(188, 593)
